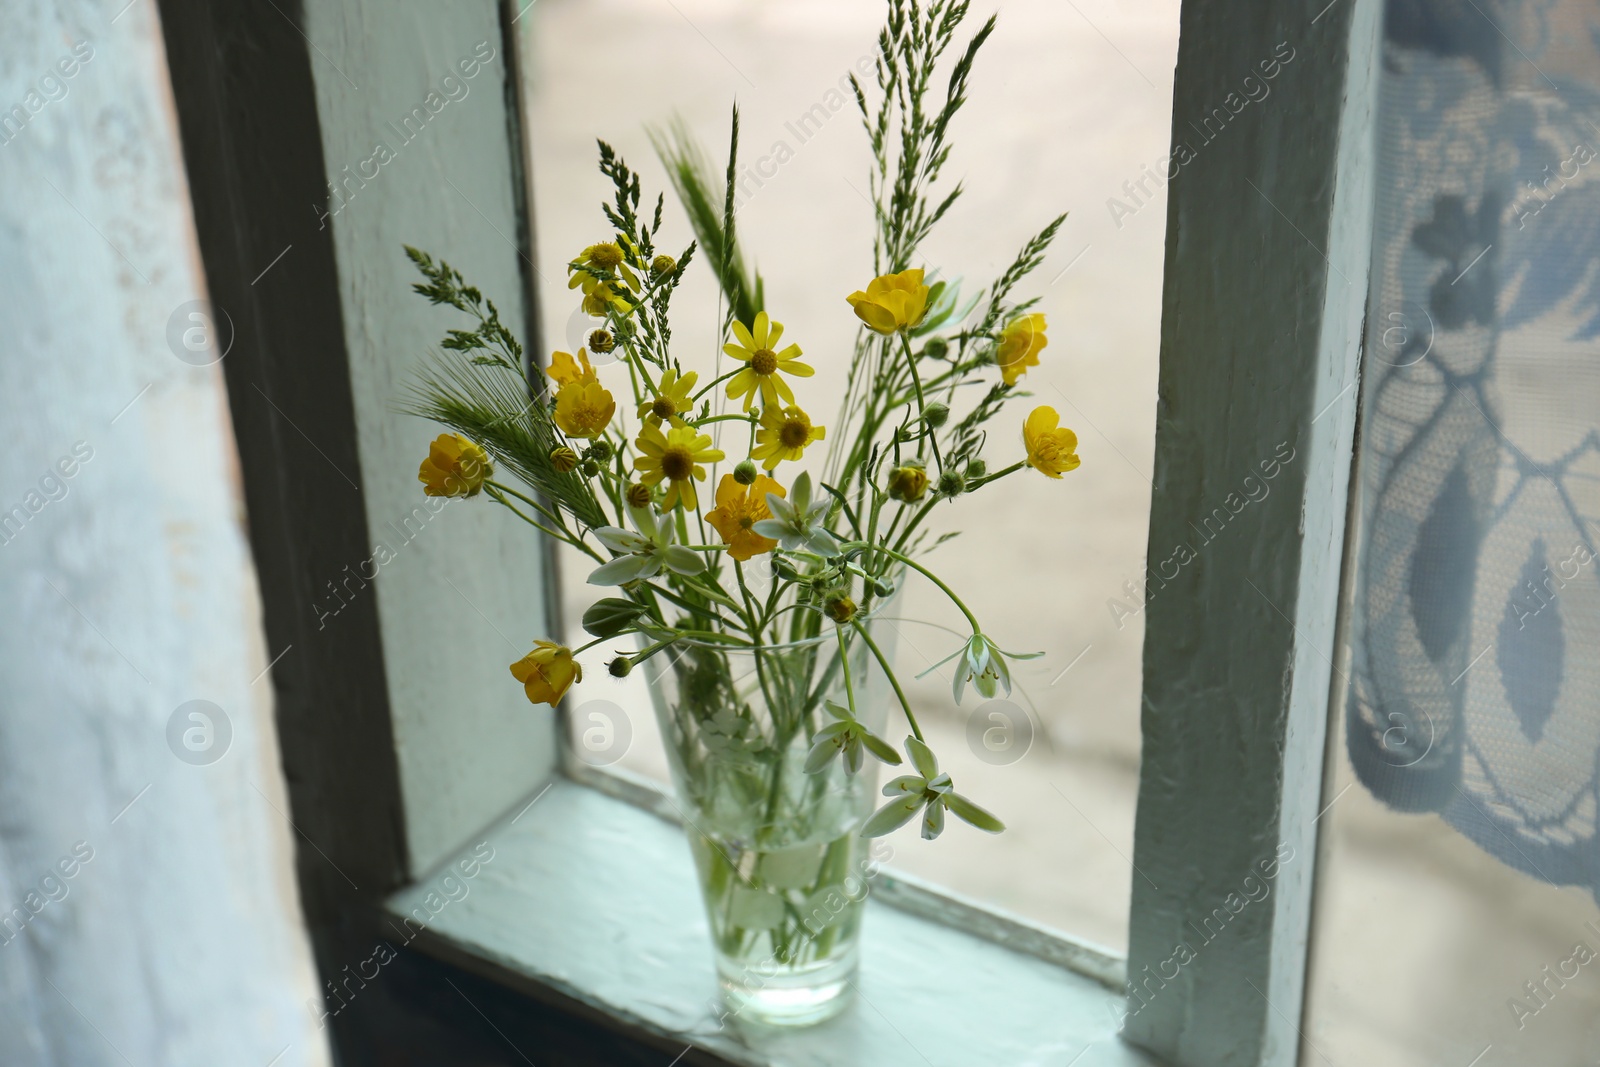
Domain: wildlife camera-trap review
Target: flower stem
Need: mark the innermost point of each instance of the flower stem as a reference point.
(934, 578)
(922, 407)
(716, 381)
(496, 491)
(844, 661)
(888, 672)
(997, 475)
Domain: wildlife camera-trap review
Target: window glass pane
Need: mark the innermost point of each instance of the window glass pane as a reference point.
(1456, 905)
(1070, 111)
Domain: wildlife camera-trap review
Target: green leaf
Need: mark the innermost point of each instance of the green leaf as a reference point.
(821, 754)
(611, 616)
(754, 909)
(705, 200)
(968, 812)
(880, 748)
(790, 868)
(933, 821)
(906, 783)
(893, 815)
(922, 758)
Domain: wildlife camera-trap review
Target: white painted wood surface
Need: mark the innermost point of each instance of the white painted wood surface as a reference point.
(128, 591)
(420, 151)
(1268, 241)
(597, 900)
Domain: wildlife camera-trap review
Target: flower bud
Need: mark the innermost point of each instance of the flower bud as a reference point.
(600, 451)
(840, 608)
(908, 483)
(936, 348)
(601, 341)
(663, 265)
(563, 459)
(745, 473)
(951, 483)
(619, 667)
(589, 468)
(638, 495)
(455, 467)
(611, 616)
(976, 469)
(936, 415)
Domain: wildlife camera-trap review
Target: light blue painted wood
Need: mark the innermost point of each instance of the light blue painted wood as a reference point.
(418, 141)
(597, 900)
(1268, 241)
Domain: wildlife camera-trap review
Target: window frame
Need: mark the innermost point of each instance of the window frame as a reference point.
(264, 108)
(1261, 344)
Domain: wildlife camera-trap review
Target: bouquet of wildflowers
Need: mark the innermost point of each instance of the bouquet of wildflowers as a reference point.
(634, 493)
(689, 481)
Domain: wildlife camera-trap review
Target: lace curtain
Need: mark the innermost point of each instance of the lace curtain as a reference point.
(1475, 690)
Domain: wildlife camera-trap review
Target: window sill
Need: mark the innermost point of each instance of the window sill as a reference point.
(589, 899)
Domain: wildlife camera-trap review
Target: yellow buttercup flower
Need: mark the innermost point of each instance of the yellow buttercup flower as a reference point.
(564, 370)
(547, 672)
(758, 347)
(739, 508)
(784, 434)
(675, 456)
(892, 303)
(584, 408)
(455, 467)
(1051, 450)
(1019, 347)
(672, 399)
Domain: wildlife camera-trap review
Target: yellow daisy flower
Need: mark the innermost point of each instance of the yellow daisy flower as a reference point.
(455, 467)
(584, 408)
(1020, 344)
(599, 297)
(547, 672)
(564, 370)
(675, 456)
(739, 508)
(673, 399)
(784, 434)
(892, 303)
(1050, 450)
(607, 256)
(759, 348)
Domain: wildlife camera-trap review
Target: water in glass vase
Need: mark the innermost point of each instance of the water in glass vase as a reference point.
(785, 923)
(783, 868)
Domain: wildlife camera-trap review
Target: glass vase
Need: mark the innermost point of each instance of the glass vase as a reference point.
(783, 869)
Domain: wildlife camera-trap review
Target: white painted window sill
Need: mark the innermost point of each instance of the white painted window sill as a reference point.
(594, 899)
